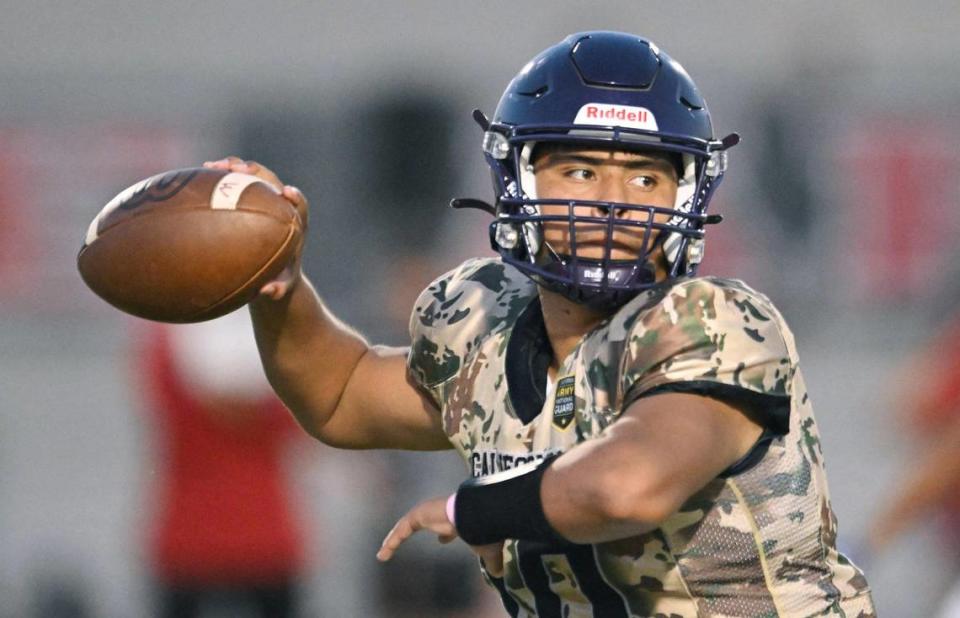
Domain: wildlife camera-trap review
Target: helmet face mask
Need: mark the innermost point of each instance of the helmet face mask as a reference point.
(602, 91)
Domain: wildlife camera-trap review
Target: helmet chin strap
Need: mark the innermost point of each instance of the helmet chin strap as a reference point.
(589, 275)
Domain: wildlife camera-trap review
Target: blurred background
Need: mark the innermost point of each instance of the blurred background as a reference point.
(841, 204)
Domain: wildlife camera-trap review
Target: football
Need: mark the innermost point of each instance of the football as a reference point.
(189, 245)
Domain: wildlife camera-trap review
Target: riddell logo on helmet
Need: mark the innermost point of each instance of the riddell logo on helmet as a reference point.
(620, 115)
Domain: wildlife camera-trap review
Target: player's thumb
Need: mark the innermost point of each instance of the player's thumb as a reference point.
(283, 283)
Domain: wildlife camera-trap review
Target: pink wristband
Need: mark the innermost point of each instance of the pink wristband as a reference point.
(451, 508)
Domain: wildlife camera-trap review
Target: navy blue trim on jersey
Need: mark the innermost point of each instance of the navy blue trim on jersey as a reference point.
(753, 456)
(530, 563)
(605, 601)
(772, 412)
(769, 410)
(509, 603)
(527, 361)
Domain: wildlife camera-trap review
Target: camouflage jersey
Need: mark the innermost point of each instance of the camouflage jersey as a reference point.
(757, 541)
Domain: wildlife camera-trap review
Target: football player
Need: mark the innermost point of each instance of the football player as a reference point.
(639, 439)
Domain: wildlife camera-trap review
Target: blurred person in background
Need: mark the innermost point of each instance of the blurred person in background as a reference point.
(929, 405)
(224, 536)
(640, 440)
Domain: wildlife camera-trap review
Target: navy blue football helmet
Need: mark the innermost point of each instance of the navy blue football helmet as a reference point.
(615, 91)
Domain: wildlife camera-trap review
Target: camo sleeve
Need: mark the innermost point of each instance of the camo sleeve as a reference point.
(718, 338)
(454, 313)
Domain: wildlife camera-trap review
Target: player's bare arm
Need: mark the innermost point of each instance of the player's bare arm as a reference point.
(627, 481)
(644, 467)
(341, 390)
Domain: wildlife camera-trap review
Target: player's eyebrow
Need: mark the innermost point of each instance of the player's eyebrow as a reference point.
(639, 162)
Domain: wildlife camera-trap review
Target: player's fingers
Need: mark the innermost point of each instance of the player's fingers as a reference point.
(446, 538)
(425, 517)
(296, 197)
(402, 531)
(219, 164)
(261, 171)
(229, 163)
(236, 164)
(279, 287)
(275, 290)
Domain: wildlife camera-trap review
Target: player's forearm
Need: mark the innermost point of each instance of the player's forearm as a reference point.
(581, 496)
(601, 495)
(308, 355)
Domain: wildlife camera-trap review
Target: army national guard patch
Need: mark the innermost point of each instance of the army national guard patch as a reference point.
(563, 402)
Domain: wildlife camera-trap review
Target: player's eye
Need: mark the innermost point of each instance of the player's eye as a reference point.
(643, 182)
(580, 173)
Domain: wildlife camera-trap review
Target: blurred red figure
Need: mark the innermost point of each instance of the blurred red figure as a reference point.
(930, 407)
(931, 486)
(224, 538)
(936, 414)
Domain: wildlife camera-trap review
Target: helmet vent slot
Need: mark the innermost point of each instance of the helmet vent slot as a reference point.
(690, 104)
(536, 94)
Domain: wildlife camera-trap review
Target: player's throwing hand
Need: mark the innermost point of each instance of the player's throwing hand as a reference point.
(279, 287)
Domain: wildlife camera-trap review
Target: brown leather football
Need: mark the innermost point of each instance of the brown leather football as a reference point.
(189, 245)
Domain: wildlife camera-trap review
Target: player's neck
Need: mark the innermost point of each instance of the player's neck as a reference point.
(566, 322)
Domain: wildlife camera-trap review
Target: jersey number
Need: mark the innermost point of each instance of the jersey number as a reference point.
(534, 563)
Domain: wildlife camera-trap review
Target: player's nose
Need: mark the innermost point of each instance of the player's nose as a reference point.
(610, 191)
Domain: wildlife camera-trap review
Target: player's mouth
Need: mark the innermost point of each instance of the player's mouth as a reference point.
(623, 245)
